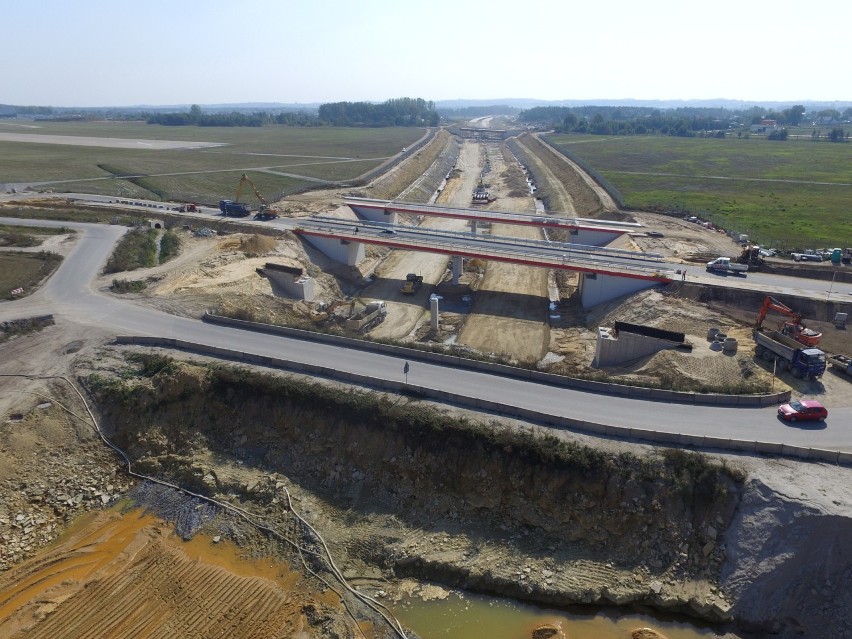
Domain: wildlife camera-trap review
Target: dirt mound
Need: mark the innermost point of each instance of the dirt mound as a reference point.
(257, 244)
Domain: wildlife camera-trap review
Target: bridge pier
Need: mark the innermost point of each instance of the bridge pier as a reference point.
(346, 251)
(458, 268)
(373, 214)
(473, 226)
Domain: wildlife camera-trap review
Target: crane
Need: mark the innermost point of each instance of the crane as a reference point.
(264, 212)
(793, 328)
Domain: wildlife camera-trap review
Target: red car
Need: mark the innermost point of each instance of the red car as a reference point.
(802, 409)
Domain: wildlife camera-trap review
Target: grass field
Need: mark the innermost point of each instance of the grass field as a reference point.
(77, 214)
(197, 175)
(26, 236)
(793, 194)
(24, 270)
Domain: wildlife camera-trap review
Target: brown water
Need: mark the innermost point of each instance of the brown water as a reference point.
(475, 617)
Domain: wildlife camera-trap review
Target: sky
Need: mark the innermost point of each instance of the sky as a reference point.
(168, 52)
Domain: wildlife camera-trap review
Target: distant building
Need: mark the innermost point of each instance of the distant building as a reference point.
(765, 126)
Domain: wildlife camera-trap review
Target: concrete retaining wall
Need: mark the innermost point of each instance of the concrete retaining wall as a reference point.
(507, 371)
(810, 308)
(620, 432)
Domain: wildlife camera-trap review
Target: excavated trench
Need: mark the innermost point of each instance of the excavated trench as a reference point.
(400, 488)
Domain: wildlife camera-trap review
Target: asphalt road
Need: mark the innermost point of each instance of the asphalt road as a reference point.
(69, 293)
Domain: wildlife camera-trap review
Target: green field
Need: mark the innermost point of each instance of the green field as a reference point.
(26, 236)
(203, 175)
(793, 194)
(24, 270)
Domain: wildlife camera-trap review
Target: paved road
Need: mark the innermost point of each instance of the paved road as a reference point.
(69, 293)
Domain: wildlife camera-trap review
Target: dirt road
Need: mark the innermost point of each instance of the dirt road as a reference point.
(509, 314)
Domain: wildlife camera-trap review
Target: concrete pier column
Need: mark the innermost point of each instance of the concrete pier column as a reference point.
(433, 310)
(458, 268)
(473, 226)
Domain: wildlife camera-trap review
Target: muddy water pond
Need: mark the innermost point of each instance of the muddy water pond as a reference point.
(457, 616)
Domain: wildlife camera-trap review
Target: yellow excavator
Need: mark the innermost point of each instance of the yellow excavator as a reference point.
(264, 212)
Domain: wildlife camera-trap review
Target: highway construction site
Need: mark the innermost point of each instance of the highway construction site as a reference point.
(409, 497)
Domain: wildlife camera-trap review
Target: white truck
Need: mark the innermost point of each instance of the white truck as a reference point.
(727, 265)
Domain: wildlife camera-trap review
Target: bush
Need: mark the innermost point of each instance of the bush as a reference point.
(169, 246)
(137, 249)
(128, 286)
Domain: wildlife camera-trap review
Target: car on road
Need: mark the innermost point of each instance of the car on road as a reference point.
(802, 410)
(388, 231)
(654, 234)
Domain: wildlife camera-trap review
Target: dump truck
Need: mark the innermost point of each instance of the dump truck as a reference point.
(789, 355)
(374, 313)
(412, 283)
(842, 363)
(230, 208)
(727, 265)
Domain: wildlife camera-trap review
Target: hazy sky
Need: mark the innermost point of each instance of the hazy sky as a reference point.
(157, 52)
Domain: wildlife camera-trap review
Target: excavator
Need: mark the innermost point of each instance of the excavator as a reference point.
(792, 328)
(324, 311)
(264, 212)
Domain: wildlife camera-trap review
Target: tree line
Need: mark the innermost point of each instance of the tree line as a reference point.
(683, 122)
(397, 112)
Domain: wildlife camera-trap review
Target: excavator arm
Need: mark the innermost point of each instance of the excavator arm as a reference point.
(245, 179)
(265, 212)
(793, 328)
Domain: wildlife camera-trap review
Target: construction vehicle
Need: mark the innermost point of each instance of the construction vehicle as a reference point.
(412, 284)
(482, 195)
(751, 256)
(264, 212)
(789, 355)
(727, 265)
(374, 313)
(792, 328)
(842, 363)
(324, 311)
(230, 208)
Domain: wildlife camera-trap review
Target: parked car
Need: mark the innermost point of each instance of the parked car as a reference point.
(653, 234)
(802, 410)
(806, 257)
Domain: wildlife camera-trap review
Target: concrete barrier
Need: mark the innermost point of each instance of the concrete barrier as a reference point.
(741, 445)
(768, 448)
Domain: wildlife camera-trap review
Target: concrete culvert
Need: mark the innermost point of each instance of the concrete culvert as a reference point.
(711, 333)
(730, 345)
(720, 337)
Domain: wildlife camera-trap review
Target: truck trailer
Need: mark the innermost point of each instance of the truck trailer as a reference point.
(841, 363)
(230, 208)
(789, 355)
